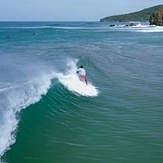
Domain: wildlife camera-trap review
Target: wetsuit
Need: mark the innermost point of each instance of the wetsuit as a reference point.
(82, 74)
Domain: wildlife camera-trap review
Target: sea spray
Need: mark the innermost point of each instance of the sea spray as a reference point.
(71, 81)
(16, 99)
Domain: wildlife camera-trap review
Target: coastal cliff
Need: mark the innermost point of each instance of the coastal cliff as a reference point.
(157, 18)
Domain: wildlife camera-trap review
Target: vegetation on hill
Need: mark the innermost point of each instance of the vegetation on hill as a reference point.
(143, 15)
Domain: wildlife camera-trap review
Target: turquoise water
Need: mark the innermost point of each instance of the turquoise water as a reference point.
(48, 116)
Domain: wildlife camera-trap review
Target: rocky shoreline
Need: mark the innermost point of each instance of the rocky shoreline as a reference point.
(157, 18)
(154, 15)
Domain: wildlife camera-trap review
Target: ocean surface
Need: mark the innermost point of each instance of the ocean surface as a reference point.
(48, 116)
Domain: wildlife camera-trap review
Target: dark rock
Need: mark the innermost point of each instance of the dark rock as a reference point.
(157, 18)
(130, 25)
(112, 25)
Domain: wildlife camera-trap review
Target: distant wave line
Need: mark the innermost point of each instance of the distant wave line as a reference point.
(138, 28)
(57, 27)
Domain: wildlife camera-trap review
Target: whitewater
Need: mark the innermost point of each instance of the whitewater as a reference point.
(18, 96)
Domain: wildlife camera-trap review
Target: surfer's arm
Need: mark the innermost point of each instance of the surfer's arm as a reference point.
(86, 82)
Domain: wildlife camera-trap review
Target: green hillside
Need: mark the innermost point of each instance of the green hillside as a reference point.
(142, 15)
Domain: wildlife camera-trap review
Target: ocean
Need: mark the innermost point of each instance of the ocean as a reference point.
(47, 115)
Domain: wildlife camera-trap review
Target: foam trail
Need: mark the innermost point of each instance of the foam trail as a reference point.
(17, 98)
(71, 81)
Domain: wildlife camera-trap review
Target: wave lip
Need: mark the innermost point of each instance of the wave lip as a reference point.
(71, 81)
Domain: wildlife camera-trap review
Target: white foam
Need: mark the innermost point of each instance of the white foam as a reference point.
(147, 28)
(140, 28)
(7, 125)
(20, 95)
(151, 29)
(71, 81)
(16, 99)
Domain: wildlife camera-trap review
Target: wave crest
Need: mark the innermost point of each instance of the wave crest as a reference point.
(14, 100)
(71, 81)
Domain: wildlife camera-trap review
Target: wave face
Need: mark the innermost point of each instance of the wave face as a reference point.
(71, 81)
(26, 86)
(20, 87)
(48, 115)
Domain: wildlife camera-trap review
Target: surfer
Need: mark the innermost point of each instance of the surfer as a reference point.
(82, 74)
